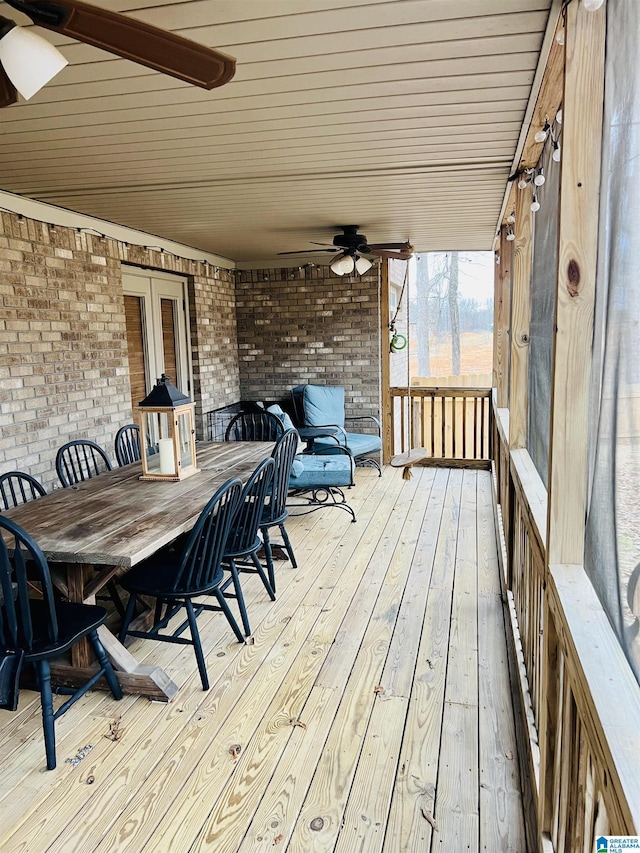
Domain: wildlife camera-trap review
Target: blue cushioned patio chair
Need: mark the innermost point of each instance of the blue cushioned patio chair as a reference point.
(39, 628)
(127, 444)
(174, 576)
(275, 512)
(323, 406)
(80, 460)
(17, 488)
(318, 479)
(243, 543)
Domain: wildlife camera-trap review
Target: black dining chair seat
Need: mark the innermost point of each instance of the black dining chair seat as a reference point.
(185, 570)
(40, 628)
(74, 620)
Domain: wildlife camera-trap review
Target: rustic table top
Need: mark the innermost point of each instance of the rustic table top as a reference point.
(119, 520)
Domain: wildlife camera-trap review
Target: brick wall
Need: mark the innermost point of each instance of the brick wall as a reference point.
(309, 325)
(63, 356)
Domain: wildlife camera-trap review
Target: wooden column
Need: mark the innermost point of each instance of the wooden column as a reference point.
(385, 353)
(572, 352)
(520, 317)
(502, 312)
(577, 259)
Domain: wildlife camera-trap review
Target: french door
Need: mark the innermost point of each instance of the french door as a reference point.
(157, 331)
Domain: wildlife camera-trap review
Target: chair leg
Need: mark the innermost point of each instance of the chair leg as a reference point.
(46, 699)
(105, 664)
(265, 580)
(239, 596)
(287, 545)
(230, 618)
(127, 617)
(197, 645)
(268, 555)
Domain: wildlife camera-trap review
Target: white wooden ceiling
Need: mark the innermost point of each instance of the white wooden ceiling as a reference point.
(402, 116)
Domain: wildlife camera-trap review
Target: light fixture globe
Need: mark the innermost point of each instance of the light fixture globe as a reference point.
(363, 265)
(343, 264)
(28, 59)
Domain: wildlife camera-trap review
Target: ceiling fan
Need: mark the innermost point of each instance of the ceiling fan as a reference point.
(143, 43)
(352, 246)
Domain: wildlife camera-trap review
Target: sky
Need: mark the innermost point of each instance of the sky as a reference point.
(476, 275)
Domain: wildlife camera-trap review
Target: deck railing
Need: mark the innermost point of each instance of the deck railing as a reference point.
(452, 425)
(577, 694)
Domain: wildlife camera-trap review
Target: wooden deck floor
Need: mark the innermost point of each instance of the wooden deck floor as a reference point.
(371, 712)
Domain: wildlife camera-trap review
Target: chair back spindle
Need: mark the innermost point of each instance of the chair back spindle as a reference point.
(201, 564)
(127, 444)
(18, 488)
(80, 460)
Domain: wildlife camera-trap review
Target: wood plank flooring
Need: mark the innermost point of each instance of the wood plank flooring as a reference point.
(371, 712)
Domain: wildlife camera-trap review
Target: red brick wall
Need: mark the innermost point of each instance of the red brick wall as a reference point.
(309, 325)
(63, 356)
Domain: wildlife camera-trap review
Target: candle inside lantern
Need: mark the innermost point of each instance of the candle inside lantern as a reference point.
(167, 465)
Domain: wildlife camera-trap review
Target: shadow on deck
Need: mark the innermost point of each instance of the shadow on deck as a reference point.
(372, 711)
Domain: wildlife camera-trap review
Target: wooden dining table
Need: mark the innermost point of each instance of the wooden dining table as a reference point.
(97, 530)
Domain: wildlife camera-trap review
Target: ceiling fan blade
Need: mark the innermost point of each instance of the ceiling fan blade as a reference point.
(386, 253)
(308, 251)
(400, 246)
(8, 94)
(143, 43)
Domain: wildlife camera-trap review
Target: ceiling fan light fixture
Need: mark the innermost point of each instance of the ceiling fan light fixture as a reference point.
(343, 264)
(29, 60)
(363, 265)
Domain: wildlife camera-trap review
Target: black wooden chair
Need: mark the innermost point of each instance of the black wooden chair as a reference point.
(275, 512)
(17, 488)
(254, 426)
(127, 444)
(40, 628)
(174, 576)
(80, 460)
(243, 542)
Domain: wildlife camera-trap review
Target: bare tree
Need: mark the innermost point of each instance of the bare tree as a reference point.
(454, 313)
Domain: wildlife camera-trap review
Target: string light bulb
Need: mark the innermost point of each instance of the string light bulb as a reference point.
(560, 36)
(522, 183)
(556, 156)
(511, 218)
(559, 116)
(535, 204)
(592, 5)
(539, 178)
(510, 235)
(541, 134)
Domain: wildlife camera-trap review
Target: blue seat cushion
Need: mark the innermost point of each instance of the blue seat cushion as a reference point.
(358, 443)
(330, 470)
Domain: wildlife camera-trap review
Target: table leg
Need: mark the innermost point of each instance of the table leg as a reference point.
(134, 678)
(81, 652)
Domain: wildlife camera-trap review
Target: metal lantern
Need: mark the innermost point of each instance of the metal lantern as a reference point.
(167, 433)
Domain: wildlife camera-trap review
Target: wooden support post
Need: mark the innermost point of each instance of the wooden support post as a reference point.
(577, 259)
(572, 345)
(387, 401)
(502, 313)
(520, 316)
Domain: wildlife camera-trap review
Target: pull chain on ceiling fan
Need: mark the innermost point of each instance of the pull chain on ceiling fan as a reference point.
(143, 43)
